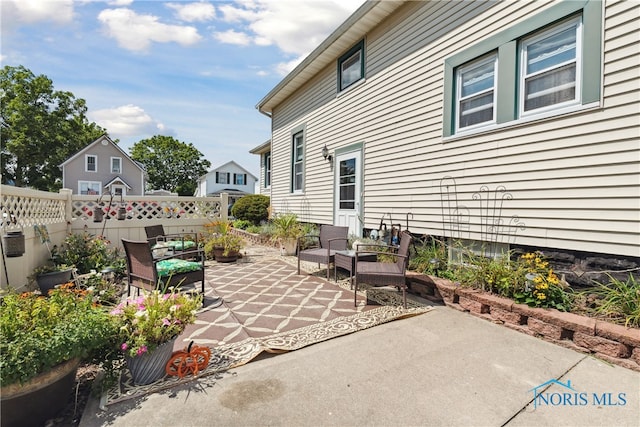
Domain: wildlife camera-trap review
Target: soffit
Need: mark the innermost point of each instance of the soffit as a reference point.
(350, 32)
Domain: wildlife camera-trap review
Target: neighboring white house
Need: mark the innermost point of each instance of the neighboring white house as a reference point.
(103, 167)
(230, 178)
(264, 151)
(509, 122)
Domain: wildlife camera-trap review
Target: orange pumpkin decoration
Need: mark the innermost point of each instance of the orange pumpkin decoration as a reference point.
(192, 359)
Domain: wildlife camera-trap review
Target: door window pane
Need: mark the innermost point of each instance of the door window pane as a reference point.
(347, 184)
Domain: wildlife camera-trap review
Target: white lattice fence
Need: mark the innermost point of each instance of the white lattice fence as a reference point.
(149, 207)
(65, 213)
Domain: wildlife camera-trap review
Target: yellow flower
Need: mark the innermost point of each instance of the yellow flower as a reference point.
(542, 296)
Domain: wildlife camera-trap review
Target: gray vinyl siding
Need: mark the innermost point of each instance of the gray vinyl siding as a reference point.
(574, 178)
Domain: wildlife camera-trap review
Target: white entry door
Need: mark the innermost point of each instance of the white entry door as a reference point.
(348, 190)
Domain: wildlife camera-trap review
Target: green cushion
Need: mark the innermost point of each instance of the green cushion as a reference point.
(167, 267)
(178, 244)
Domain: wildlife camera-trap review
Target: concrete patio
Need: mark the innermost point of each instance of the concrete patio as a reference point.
(443, 367)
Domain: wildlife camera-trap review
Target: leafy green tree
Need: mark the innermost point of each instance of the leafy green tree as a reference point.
(171, 164)
(41, 128)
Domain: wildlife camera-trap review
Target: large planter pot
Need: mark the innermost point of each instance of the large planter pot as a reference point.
(48, 281)
(39, 399)
(150, 366)
(219, 255)
(289, 246)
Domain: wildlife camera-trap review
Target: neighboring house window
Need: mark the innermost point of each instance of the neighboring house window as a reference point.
(550, 67)
(476, 91)
(89, 187)
(222, 177)
(116, 165)
(546, 65)
(267, 169)
(240, 178)
(91, 163)
(351, 66)
(297, 184)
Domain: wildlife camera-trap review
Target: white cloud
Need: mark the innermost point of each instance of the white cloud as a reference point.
(119, 2)
(127, 121)
(194, 12)
(295, 27)
(15, 12)
(233, 37)
(285, 68)
(136, 32)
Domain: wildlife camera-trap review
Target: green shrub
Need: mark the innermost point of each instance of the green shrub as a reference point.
(242, 224)
(252, 207)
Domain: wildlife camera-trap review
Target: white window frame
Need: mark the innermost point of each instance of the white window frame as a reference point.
(465, 68)
(90, 184)
(541, 35)
(297, 137)
(267, 170)
(86, 162)
(119, 170)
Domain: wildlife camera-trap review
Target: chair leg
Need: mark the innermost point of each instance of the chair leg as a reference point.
(328, 265)
(298, 266)
(355, 291)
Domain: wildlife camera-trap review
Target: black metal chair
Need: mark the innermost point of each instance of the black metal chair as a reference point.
(332, 238)
(384, 273)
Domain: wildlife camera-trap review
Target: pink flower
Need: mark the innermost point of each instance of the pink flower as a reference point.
(116, 311)
(141, 350)
(124, 346)
(166, 322)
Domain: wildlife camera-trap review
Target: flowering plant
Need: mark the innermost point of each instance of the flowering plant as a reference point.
(153, 318)
(543, 287)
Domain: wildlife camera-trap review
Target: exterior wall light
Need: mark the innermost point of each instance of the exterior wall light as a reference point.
(325, 153)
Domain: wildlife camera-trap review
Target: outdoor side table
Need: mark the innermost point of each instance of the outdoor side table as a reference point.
(347, 261)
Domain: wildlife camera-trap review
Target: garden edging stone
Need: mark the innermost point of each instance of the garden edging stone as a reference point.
(614, 343)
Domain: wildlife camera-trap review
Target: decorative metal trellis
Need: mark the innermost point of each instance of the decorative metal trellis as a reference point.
(494, 229)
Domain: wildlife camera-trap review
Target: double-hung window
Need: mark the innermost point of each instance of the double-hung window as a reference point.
(240, 179)
(548, 64)
(351, 66)
(297, 182)
(551, 68)
(116, 165)
(476, 91)
(90, 163)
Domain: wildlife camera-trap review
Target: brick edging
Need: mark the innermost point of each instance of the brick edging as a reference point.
(613, 343)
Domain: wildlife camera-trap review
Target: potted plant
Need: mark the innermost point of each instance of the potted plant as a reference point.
(43, 341)
(221, 243)
(286, 230)
(148, 326)
(50, 275)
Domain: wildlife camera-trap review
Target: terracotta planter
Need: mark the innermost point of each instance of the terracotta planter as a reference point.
(48, 281)
(150, 367)
(40, 399)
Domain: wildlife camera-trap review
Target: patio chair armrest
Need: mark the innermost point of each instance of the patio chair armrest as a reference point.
(376, 248)
(335, 239)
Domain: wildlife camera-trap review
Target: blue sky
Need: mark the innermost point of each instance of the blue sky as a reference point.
(190, 70)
